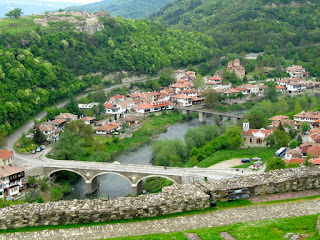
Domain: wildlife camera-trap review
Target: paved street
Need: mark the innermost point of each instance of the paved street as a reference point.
(185, 223)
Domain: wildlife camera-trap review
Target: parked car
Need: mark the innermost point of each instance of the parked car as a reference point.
(33, 152)
(38, 149)
(256, 159)
(245, 160)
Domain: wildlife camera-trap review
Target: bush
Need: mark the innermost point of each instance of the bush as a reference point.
(31, 181)
(275, 163)
(56, 194)
(44, 186)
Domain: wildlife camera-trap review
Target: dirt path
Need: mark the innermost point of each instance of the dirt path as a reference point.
(227, 164)
(184, 223)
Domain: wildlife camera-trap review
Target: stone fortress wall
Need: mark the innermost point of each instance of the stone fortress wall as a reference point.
(174, 199)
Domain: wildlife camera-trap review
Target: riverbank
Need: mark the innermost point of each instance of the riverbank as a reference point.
(103, 149)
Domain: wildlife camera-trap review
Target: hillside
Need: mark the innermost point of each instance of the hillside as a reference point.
(39, 65)
(248, 25)
(135, 9)
(32, 6)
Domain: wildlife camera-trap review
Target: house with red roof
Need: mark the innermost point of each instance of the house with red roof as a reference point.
(314, 151)
(155, 106)
(254, 137)
(108, 128)
(117, 98)
(309, 116)
(11, 183)
(113, 109)
(68, 117)
(293, 153)
(297, 71)
(178, 87)
(6, 157)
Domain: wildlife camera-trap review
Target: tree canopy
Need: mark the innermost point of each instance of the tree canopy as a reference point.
(15, 13)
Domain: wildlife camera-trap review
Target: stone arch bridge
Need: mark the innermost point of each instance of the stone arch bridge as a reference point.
(204, 112)
(134, 174)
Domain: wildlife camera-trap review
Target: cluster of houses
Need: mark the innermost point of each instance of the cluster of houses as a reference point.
(295, 85)
(11, 177)
(311, 148)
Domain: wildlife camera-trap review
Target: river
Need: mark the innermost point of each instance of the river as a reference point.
(112, 185)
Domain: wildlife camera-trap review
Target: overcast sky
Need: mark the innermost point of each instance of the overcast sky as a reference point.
(75, 1)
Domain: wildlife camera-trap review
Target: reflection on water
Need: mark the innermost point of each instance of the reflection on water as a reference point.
(113, 185)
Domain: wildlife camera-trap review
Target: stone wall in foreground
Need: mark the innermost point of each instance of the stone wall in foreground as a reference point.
(177, 198)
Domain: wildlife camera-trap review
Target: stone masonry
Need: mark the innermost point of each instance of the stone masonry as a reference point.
(177, 198)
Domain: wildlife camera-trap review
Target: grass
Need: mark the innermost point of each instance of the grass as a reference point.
(220, 205)
(16, 26)
(223, 155)
(263, 230)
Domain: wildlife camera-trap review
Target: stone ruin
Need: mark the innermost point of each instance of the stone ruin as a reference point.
(83, 21)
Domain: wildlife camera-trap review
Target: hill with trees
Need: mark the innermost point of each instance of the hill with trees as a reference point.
(39, 65)
(274, 26)
(135, 9)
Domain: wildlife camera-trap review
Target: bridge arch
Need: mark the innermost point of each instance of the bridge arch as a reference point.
(68, 170)
(157, 176)
(114, 173)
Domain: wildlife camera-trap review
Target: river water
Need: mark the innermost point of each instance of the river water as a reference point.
(112, 185)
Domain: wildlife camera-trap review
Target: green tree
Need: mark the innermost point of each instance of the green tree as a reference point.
(39, 137)
(234, 136)
(305, 126)
(293, 144)
(211, 98)
(198, 82)
(15, 13)
(278, 138)
(256, 118)
(69, 146)
(299, 140)
(275, 163)
(271, 94)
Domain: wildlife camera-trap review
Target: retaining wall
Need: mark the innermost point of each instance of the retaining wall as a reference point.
(177, 198)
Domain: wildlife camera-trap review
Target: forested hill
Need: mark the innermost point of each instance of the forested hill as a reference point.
(248, 25)
(135, 9)
(39, 65)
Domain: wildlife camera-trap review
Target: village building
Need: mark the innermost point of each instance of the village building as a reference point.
(314, 151)
(6, 157)
(131, 120)
(179, 73)
(293, 153)
(311, 117)
(49, 131)
(155, 106)
(234, 66)
(84, 107)
(88, 120)
(182, 100)
(254, 137)
(113, 109)
(179, 87)
(314, 135)
(117, 98)
(297, 71)
(284, 120)
(11, 177)
(108, 128)
(68, 117)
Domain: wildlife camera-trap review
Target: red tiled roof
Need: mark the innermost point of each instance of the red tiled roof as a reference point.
(314, 151)
(251, 131)
(308, 114)
(109, 105)
(145, 106)
(280, 87)
(279, 118)
(5, 154)
(118, 96)
(182, 96)
(315, 161)
(87, 118)
(196, 99)
(296, 160)
(216, 78)
(65, 115)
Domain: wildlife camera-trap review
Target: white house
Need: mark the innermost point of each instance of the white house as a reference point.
(182, 100)
(108, 128)
(11, 181)
(155, 106)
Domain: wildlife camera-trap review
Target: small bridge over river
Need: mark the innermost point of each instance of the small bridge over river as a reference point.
(204, 112)
(135, 174)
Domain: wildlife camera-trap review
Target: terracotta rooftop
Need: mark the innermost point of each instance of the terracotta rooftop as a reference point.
(314, 151)
(6, 171)
(145, 106)
(182, 96)
(87, 118)
(279, 118)
(5, 154)
(118, 96)
(65, 116)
